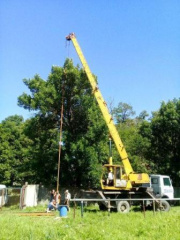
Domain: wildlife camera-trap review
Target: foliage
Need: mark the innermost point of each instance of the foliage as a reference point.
(153, 145)
(133, 141)
(123, 112)
(14, 157)
(84, 129)
(29, 150)
(165, 139)
(135, 144)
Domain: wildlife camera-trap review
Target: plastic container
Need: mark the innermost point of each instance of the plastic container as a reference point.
(62, 210)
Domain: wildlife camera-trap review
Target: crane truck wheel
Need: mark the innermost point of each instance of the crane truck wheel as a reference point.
(123, 206)
(163, 206)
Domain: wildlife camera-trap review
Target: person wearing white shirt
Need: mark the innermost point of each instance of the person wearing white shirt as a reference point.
(67, 198)
(110, 178)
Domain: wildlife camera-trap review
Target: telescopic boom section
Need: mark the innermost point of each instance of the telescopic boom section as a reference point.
(103, 106)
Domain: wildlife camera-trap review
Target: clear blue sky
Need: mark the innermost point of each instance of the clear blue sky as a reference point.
(133, 46)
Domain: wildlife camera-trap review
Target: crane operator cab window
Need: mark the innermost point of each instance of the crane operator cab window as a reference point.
(118, 181)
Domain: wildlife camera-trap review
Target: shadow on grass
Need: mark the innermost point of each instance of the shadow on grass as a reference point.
(136, 209)
(91, 210)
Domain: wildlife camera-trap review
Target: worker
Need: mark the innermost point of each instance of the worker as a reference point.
(52, 195)
(110, 178)
(51, 206)
(67, 198)
(58, 198)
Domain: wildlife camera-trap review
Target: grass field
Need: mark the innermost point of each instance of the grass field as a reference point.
(94, 225)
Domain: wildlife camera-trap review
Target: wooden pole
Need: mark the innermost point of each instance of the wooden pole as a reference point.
(74, 209)
(109, 207)
(82, 209)
(60, 139)
(143, 208)
(154, 207)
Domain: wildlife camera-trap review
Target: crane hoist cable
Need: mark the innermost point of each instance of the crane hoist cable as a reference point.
(67, 46)
(60, 134)
(61, 125)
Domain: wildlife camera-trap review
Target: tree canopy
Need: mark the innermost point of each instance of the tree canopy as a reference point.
(165, 139)
(84, 130)
(29, 149)
(14, 157)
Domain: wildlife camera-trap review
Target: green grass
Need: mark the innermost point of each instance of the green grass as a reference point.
(94, 225)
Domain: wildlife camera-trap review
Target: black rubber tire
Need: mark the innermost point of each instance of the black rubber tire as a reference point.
(163, 206)
(123, 206)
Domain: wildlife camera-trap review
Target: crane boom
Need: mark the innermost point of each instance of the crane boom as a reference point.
(103, 107)
(131, 178)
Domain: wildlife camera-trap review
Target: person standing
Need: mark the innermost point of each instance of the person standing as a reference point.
(58, 198)
(52, 195)
(67, 198)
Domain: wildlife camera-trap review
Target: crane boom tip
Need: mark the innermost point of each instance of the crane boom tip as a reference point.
(70, 36)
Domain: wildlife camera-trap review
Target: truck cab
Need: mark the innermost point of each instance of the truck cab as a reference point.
(162, 186)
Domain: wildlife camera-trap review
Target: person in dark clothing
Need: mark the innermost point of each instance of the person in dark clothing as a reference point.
(52, 195)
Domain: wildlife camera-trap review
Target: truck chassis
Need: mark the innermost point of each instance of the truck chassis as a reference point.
(121, 201)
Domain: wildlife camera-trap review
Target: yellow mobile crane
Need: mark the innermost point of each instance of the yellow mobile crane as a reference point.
(125, 181)
(130, 178)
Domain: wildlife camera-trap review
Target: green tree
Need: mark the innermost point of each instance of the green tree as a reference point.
(123, 112)
(128, 128)
(143, 115)
(84, 130)
(14, 157)
(162, 133)
(165, 125)
(135, 145)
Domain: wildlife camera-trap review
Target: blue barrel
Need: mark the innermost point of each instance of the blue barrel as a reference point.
(62, 210)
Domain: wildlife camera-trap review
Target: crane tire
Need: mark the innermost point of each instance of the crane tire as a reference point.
(123, 206)
(163, 206)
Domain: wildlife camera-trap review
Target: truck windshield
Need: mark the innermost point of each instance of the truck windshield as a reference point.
(166, 182)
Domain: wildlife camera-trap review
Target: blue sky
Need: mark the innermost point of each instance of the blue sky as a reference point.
(133, 46)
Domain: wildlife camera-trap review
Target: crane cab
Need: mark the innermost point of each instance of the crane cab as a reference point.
(114, 178)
